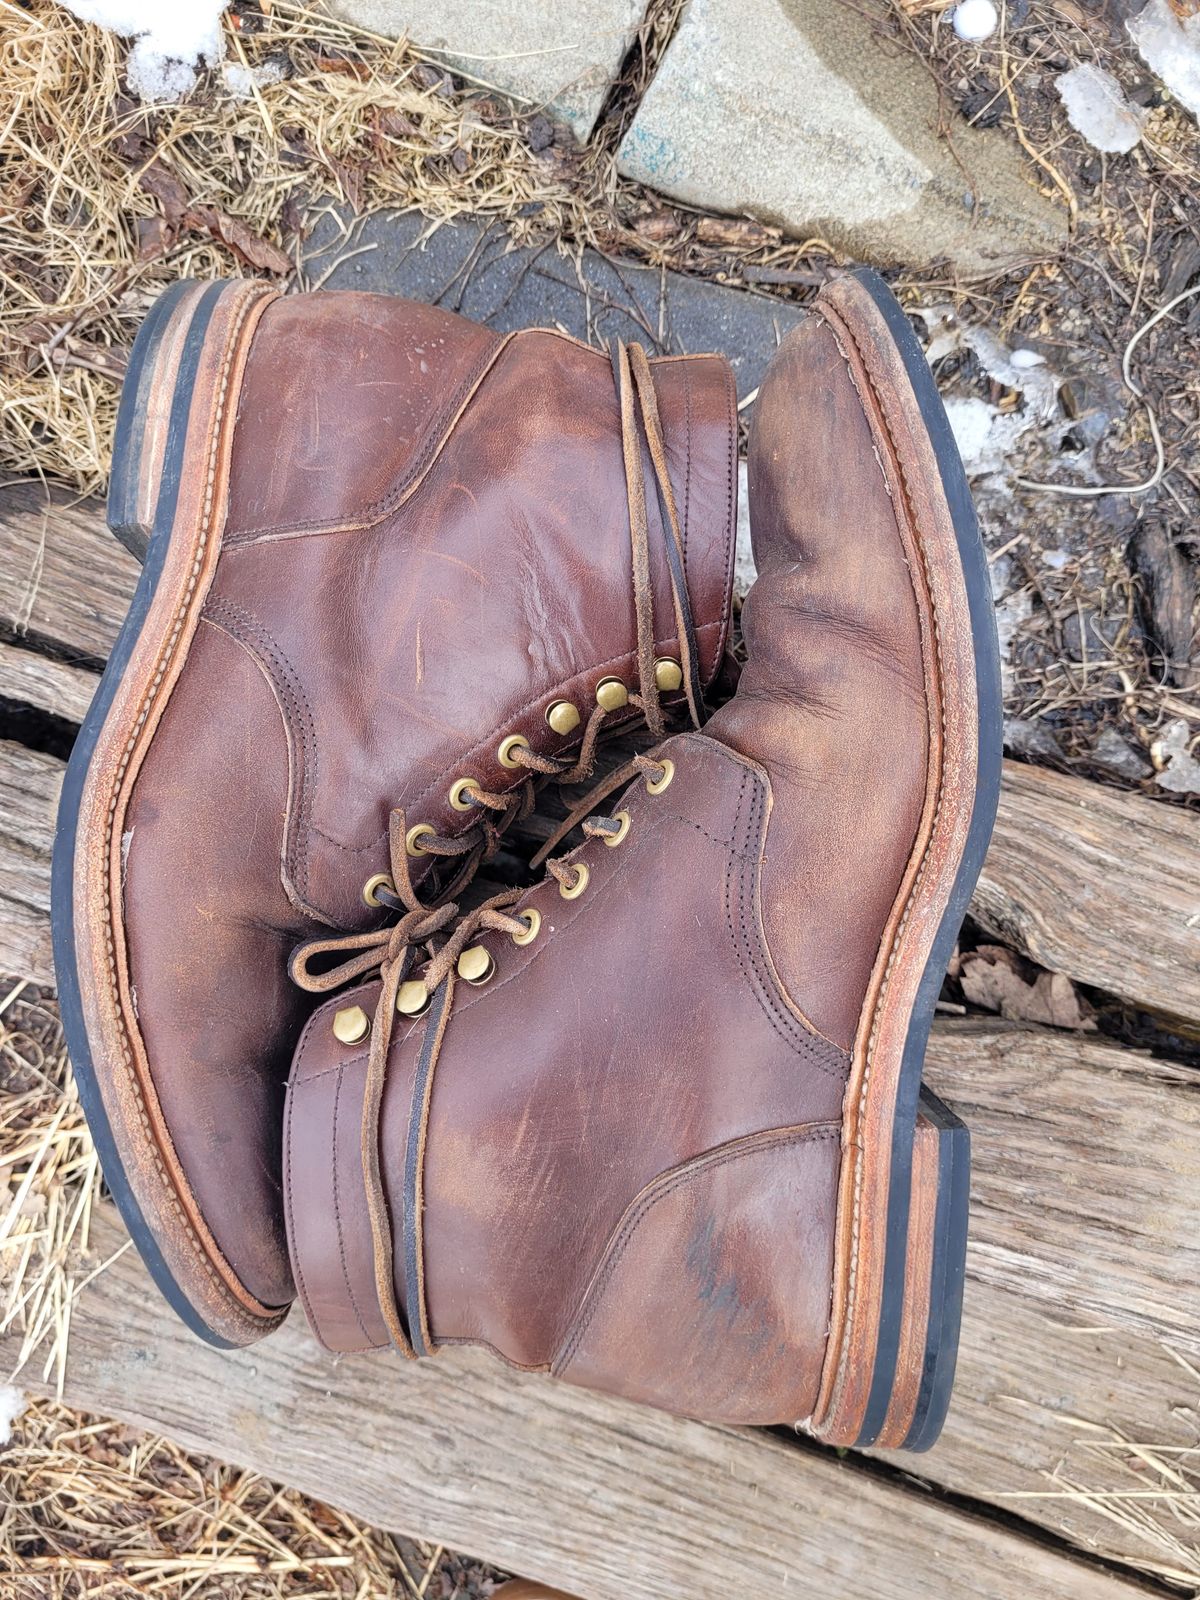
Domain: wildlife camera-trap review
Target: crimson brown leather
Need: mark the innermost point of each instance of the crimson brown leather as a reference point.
(396, 566)
(656, 1125)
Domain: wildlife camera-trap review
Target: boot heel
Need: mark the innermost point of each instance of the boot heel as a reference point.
(144, 466)
(915, 1344)
(927, 1343)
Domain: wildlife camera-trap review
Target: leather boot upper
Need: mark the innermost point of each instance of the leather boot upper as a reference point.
(427, 544)
(631, 1153)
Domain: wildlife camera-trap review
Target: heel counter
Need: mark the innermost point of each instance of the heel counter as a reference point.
(716, 1284)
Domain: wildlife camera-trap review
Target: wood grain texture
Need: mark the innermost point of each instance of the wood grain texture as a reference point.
(1101, 885)
(1089, 881)
(64, 579)
(37, 680)
(604, 1499)
(1085, 1192)
(29, 787)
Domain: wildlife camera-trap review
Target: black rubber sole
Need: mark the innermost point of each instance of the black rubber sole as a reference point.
(948, 1273)
(953, 1188)
(121, 514)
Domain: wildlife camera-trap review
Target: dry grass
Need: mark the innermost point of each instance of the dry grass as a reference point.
(87, 238)
(94, 1508)
(1148, 1490)
(49, 1182)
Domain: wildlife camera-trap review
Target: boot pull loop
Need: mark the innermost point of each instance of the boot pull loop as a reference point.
(673, 538)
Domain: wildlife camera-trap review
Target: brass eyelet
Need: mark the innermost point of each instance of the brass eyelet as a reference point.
(614, 839)
(412, 839)
(475, 965)
(351, 1025)
(668, 674)
(611, 694)
(412, 998)
(562, 717)
(459, 790)
(377, 881)
(657, 785)
(532, 918)
(574, 890)
(505, 753)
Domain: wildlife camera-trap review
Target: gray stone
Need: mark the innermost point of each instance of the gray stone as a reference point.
(797, 112)
(559, 56)
(469, 267)
(1116, 758)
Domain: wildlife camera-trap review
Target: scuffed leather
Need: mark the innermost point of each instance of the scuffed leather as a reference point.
(641, 1029)
(427, 542)
(832, 697)
(634, 1138)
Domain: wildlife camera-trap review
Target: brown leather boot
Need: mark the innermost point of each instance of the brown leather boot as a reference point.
(652, 1126)
(395, 565)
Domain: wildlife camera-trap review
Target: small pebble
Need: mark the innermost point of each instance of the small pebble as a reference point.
(975, 20)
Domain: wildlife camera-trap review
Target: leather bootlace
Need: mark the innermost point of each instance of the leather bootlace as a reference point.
(439, 932)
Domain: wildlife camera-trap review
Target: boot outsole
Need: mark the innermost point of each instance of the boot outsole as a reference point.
(150, 456)
(924, 1252)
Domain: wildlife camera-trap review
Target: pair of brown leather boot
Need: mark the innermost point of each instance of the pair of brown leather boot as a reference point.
(654, 1124)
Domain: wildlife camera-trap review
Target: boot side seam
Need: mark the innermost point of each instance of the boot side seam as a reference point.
(337, 1211)
(247, 631)
(794, 1029)
(437, 432)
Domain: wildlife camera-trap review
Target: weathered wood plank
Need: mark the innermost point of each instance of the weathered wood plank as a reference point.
(37, 680)
(1085, 1192)
(1073, 1426)
(1101, 885)
(29, 786)
(602, 1498)
(1098, 884)
(63, 577)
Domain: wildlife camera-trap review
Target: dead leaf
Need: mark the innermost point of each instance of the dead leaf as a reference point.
(246, 245)
(161, 183)
(994, 978)
(343, 64)
(153, 237)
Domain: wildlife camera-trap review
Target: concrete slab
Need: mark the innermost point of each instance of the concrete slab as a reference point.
(467, 267)
(800, 112)
(558, 56)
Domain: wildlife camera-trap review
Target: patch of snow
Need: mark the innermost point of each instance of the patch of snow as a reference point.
(991, 439)
(986, 436)
(1023, 370)
(1056, 560)
(1012, 612)
(1097, 108)
(975, 20)
(242, 81)
(1170, 46)
(1176, 768)
(744, 570)
(12, 1403)
(170, 40)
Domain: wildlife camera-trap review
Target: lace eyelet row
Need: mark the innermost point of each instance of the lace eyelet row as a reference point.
(562, 717)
